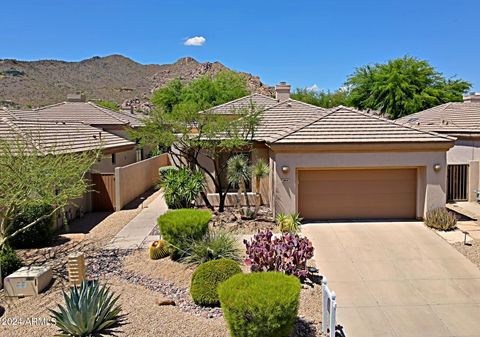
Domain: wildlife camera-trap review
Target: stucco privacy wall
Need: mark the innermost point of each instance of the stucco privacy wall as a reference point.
(431, 185)
(134, 179)
(464, 151)
(123, 158)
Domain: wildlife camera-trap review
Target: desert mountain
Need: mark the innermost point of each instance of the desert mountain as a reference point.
(115, 77)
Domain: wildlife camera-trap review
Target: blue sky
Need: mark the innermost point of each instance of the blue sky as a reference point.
(304, 42)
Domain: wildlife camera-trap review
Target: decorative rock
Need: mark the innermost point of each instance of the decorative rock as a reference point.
(162, 301)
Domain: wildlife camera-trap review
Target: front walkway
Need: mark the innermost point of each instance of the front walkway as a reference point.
(397, 279)
(136, 234)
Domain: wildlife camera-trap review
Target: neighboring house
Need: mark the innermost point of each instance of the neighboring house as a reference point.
(342, 163)
(462, 121)
(77, 110)
(68, 137)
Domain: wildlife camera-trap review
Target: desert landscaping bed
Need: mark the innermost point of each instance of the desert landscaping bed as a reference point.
(143, 284)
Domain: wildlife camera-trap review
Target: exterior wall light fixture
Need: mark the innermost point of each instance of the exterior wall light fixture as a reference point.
(285, 169)
(437, 167)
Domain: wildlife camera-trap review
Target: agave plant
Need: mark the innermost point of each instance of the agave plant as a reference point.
(88, 309)
(288, 223)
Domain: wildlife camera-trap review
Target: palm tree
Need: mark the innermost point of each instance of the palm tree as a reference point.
(239, 173)
(260, 170)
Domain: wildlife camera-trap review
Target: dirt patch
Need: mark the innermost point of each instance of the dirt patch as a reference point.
(230, 220)
(471, 251)
(165, 269)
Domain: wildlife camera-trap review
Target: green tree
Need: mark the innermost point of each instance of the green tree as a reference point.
(402, 86)
(108, 105)
(324, 99)
(193, 134)
(31, 177)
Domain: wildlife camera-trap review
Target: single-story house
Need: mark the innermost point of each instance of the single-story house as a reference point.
(71, 137)
(341, 163)
(77, 109)
(462, 121)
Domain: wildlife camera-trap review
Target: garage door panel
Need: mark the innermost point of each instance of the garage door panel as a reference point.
(357, 194)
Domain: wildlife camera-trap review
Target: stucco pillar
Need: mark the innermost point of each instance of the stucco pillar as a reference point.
(473, 180)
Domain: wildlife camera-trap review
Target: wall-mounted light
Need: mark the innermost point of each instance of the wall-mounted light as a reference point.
(437, 167)
(285, 169)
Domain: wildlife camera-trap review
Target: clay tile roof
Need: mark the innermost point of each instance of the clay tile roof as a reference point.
(229, 108)
(347, 125)
(86, 112)
(284, 117)
(449, 117)
(59, 137)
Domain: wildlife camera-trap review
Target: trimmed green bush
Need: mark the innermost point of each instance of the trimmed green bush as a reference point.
(39, 235)
(441, 219)
(179, 227)
(208, 276)
(9, 261)
(263, 304)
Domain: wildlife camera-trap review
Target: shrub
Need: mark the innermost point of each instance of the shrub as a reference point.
(39, 235)
(162, 171)
(213, 246)
(88, 310)
(108, 105)
(288, 223)
(181, 187)
(181, 226)
(288, 254)
(9, 261)
(440, 218)
(260, 304)
(208, 276)
(158, 249)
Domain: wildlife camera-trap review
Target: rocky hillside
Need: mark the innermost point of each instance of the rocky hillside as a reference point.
(116, 78)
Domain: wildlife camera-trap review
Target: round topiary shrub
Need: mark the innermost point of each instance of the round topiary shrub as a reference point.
(260, 304)
(9, 261)
(182, 226)
(39, 235)
(208, 276)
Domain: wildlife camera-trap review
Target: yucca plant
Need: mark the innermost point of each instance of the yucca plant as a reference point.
(88, 309)
(288, 223)
(260, 170)
(239, 173)
(158, 249)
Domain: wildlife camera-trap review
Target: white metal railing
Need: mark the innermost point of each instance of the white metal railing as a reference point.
(329, 309)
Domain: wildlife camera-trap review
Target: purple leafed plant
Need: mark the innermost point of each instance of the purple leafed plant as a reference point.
(288, 253)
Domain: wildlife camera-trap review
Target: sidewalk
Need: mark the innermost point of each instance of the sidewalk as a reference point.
(136, 234)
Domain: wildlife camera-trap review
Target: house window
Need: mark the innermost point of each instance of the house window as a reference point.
(114, 158)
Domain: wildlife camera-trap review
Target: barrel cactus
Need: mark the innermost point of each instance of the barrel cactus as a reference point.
(158, 249)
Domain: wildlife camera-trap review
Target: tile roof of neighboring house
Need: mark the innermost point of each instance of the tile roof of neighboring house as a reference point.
(285, 116)
(59, 137)
(347, 125)
(86, 112)
(449, 117)
(232, 107)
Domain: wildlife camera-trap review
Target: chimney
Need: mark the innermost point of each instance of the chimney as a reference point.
(282, 91)
(473, 97)
(76, 98)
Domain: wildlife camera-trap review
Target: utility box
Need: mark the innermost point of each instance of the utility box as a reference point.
(28, 281)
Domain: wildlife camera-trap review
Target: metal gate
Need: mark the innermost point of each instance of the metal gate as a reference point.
(103, 196)
(457, 182)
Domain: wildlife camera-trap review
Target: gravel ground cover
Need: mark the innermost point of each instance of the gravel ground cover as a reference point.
(142, 283)
(471, 251)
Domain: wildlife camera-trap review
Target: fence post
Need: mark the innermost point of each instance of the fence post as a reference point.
(324, 305)
(333, 313)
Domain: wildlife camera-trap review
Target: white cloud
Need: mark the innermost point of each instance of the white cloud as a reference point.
(313, 88)
(196, 41)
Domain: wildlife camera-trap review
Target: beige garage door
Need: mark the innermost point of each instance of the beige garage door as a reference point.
(357, 194)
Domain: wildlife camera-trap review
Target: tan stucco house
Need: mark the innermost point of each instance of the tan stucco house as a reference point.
(462, 121)
(340, 163)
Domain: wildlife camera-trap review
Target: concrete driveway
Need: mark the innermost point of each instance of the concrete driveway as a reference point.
(397, 279)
